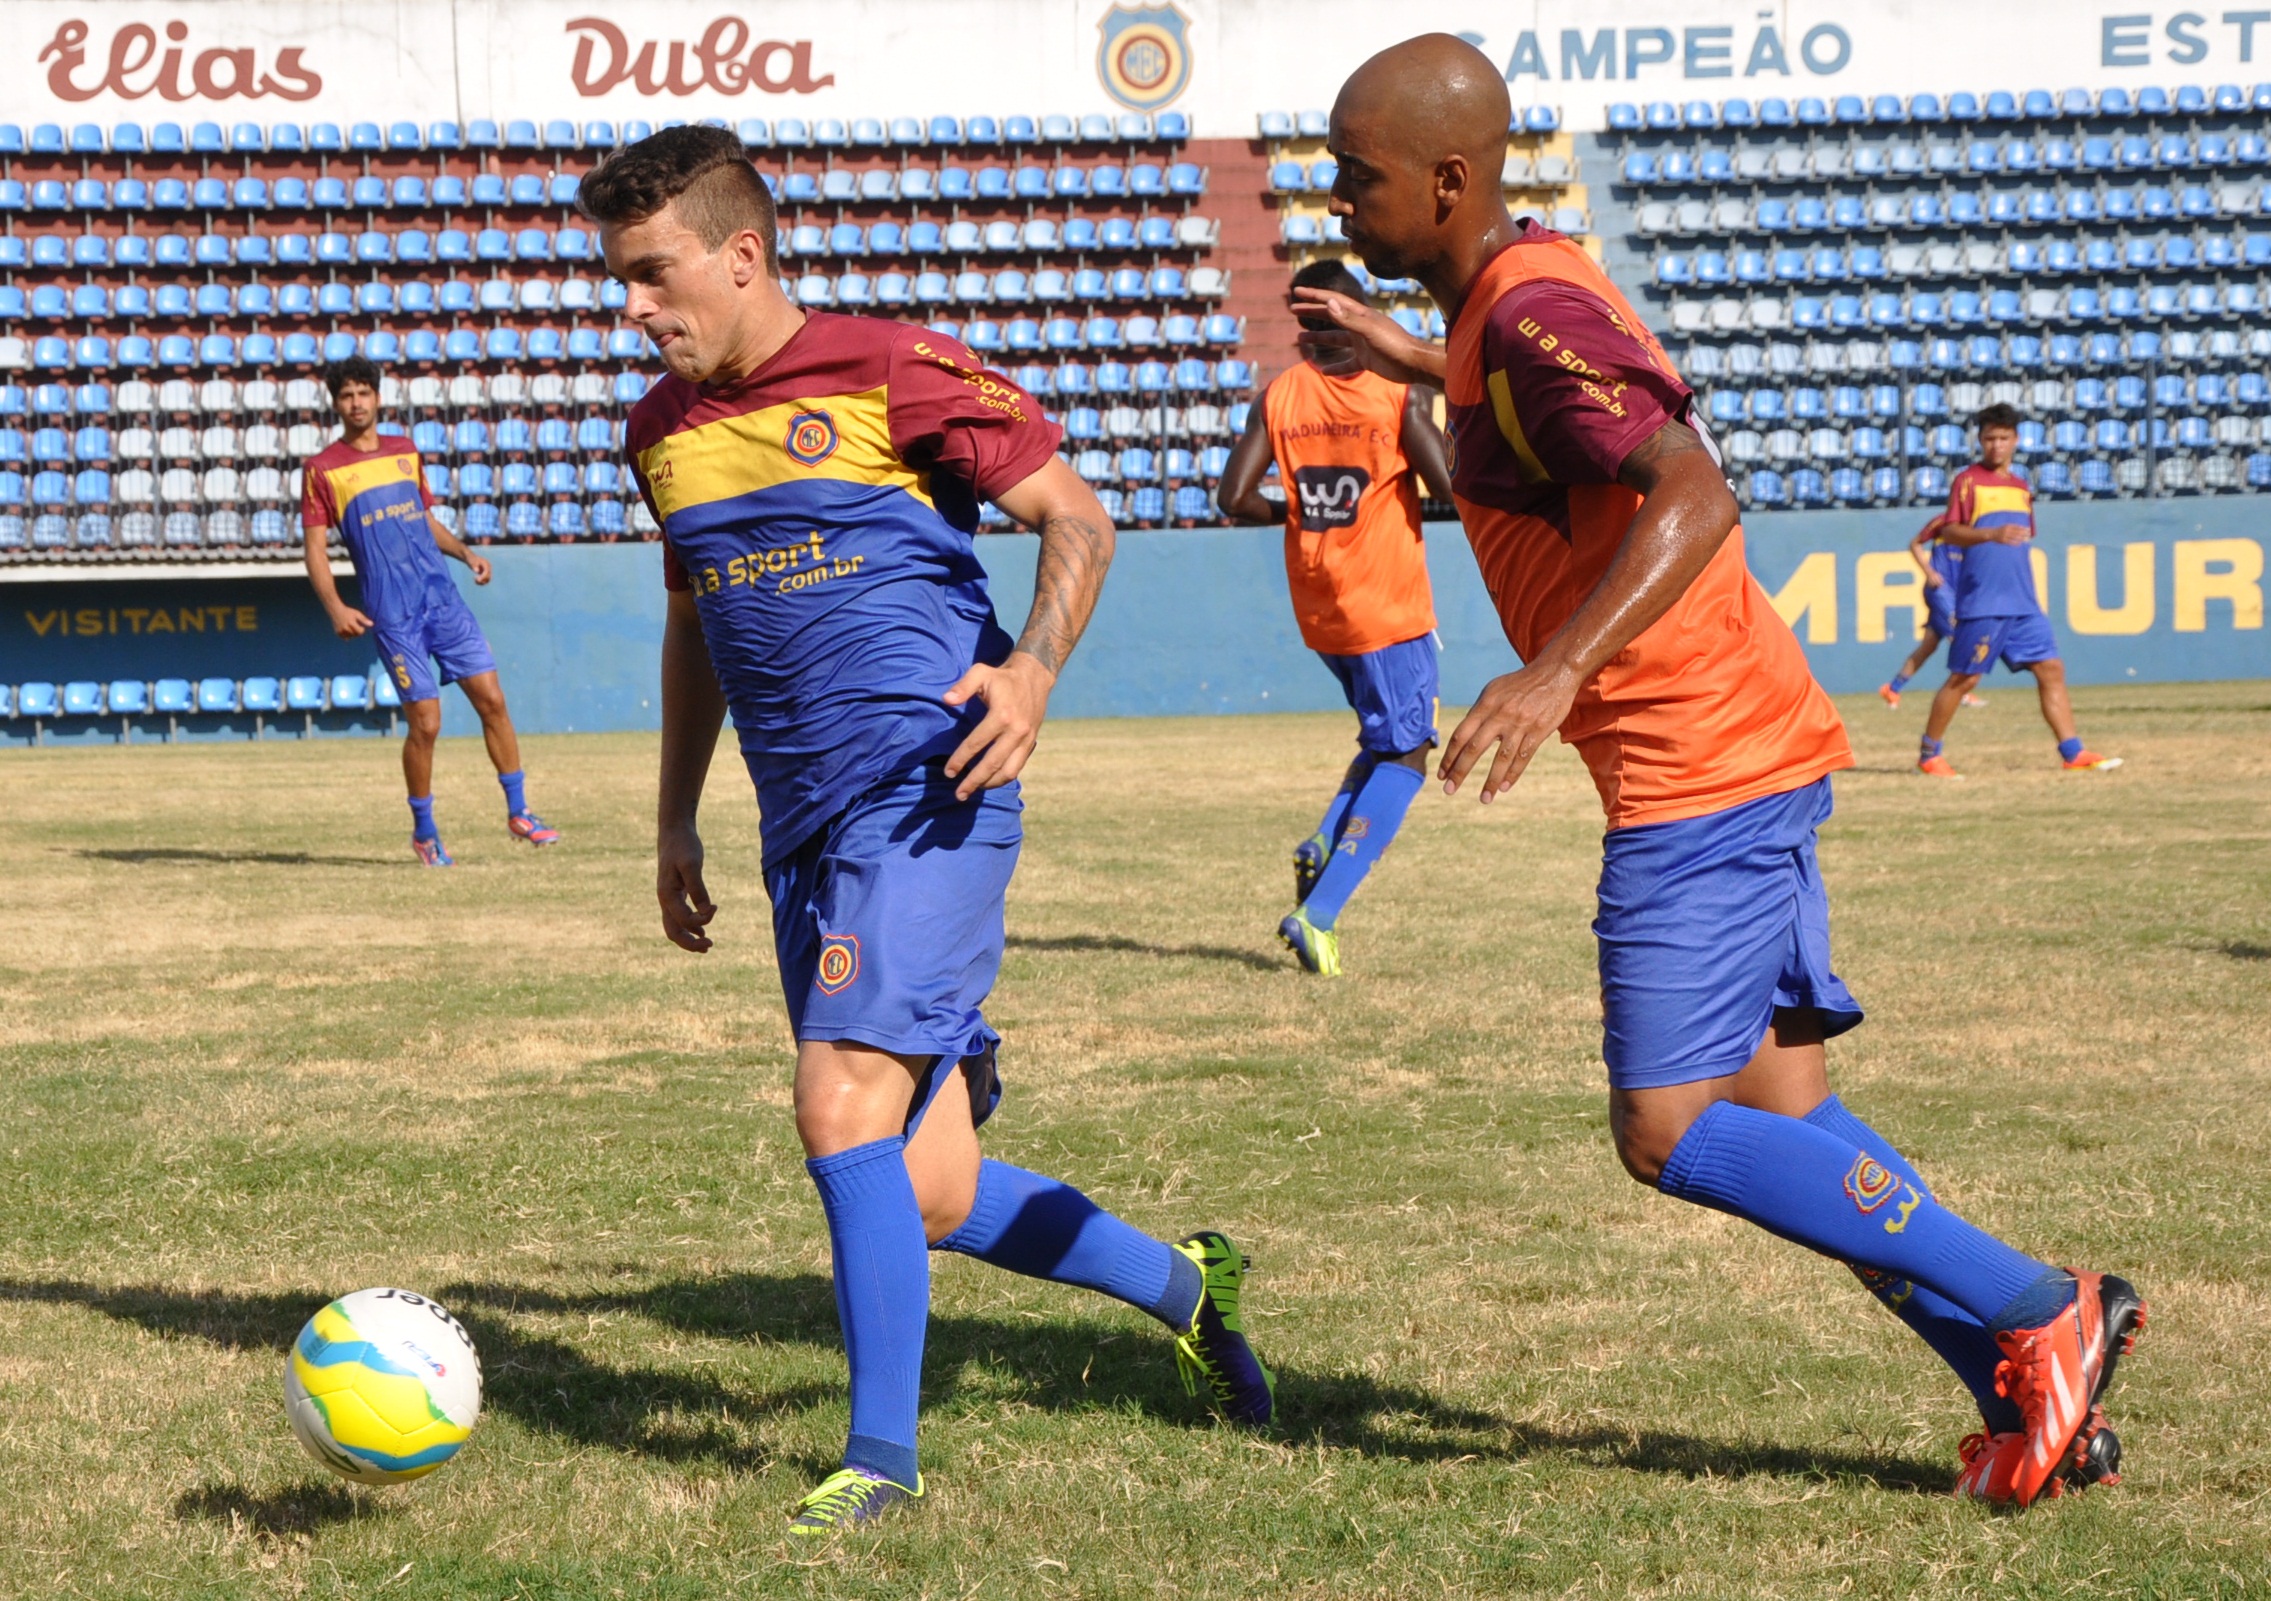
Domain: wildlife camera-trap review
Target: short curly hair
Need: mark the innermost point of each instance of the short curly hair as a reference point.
(1996, 416)
(704, 171)
(350, 370)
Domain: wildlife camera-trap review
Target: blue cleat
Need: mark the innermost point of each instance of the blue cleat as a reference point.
(430, 852)
(1318, 948)
(1309, 865)
(529, 826)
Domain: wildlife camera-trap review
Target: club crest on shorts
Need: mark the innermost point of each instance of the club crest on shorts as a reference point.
(811, 437)
(1871, 1183)
(839, 963)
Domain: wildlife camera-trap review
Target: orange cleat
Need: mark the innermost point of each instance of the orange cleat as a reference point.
(1937, 767)
(1890, 696)
(1975, 700)
(2055, 1375)
(2089, 761)
(1991, 1463)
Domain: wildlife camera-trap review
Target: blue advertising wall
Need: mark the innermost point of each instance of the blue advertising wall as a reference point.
(1196, 621)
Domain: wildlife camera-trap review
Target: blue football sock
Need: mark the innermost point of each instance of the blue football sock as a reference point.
(1897, 683)
(875, 1232)
(1927, 748)
(1955, 1336)
(2068, 749)
(516, 795)
(1336, 812)
(1366, 833)
(422, 818)
(1043, 1229)
(1806, 1184)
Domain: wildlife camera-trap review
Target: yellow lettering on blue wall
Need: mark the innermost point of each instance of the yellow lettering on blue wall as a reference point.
(1886, 580)
(2085, 613)
(1811, 593)
(2218, 569)
(2040, 563)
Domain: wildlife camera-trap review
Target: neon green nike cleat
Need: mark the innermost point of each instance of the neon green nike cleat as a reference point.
(1318, 948)
(849, 1498)
(1214, 1347)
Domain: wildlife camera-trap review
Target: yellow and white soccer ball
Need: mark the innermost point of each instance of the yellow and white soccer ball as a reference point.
(382, 1386)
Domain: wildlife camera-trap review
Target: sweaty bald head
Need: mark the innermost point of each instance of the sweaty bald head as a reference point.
(1431, 97)
(1419, 132)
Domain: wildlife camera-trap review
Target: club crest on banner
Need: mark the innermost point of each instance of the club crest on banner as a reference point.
(1144, 57)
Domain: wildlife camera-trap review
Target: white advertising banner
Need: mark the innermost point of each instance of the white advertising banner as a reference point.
(1216, 61)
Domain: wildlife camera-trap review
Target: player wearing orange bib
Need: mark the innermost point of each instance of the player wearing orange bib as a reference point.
(1349, 445)
(1608, 540)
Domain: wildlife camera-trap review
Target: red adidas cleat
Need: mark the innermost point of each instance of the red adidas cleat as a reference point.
(2089, 761)
(529, 826)
(1890, 696)
(1937, 767)
(1991, 1463)
(2055, 1375)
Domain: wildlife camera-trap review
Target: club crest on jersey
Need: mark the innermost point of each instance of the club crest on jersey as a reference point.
(811, 437)
(1871, 1183)
(839, 963)
(1144, 57)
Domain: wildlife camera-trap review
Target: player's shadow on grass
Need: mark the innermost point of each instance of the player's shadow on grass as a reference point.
(142, 856)
(1089, 943)
(2240, 950)
(1075, 1364)
(1063, 1364)
(277, 1514)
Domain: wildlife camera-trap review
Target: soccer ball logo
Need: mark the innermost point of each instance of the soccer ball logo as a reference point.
(382, 1386)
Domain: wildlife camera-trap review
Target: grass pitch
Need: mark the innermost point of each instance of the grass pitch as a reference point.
(250, 1058)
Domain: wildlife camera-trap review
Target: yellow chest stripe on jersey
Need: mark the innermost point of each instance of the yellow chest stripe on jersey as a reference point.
(841, 438)
(380, 472)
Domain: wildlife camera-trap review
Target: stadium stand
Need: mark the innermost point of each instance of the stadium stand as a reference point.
(1848, 281)
(302, 705)
(1844, 280)
(167, 297)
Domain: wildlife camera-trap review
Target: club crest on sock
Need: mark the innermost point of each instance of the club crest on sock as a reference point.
(1870, 1183)
(839, 963)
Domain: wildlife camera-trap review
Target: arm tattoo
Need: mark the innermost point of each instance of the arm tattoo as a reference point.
(1646, 459)
(1074, 553)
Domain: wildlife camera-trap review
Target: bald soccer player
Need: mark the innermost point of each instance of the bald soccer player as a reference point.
(1350, 448)
(1608, 540)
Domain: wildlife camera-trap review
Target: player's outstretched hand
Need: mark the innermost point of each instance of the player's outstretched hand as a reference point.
(1517, 713)
(349, 623)
(686, 905)
(478, 566)
(1361, 337)
(1017, 697)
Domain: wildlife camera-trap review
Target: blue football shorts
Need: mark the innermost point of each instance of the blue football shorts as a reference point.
(1709, 926)
(444, 635)
(888, 925)
(2018, 642)
(1940, 610)
(1392, 692)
